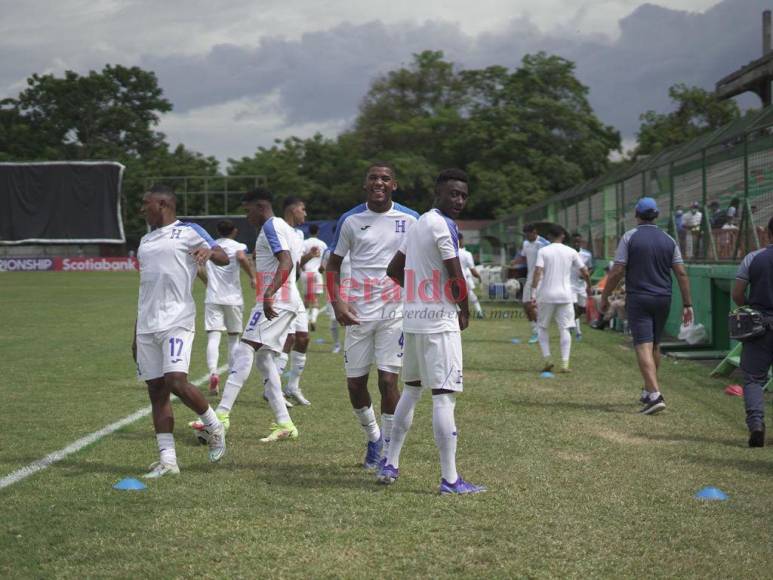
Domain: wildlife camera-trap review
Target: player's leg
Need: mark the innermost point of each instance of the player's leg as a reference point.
(214, 324)
(234, 324)
(163, 424)
(643, 324)
(474, 302)
(531, 313)
(314, 293)
(579, 310)
(359, 354)
(298, 358)
(284, 357)
(756, 358)
(545, 315)
(334, 332)
(389, 342)
(564, 316)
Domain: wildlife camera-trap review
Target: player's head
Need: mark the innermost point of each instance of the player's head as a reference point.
(257, 203)
(461, 240)
(227, 229)
(556, 233)
(577, 241)
(530, 231)
(380, 183)
(313, 230)
(451, 191)
(159, 204)
(294, 210)
(647, 210)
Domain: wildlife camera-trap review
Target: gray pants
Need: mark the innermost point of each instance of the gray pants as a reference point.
(756, 358)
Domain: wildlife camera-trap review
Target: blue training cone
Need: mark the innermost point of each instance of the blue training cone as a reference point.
(546, 375)
(130, 484)
(515, 340)
(711, 494)
(319, 340)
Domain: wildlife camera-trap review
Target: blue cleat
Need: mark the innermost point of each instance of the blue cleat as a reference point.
(373, 454)
(460, 487)
(387, 474)
(534, 339)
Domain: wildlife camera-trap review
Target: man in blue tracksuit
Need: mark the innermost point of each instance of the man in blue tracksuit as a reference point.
(646, 256)
(756, 273)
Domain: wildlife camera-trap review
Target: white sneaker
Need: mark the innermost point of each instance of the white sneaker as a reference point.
(288, 404)
(336, 348)
(298, 396)
(216, 441)
(159, 469)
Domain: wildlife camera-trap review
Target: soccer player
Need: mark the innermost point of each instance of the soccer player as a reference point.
(578, 287)
(646, 256)
(470, 273)
(531, 246)
(554, 298)
(432, 321)
(271, 318)
(311, 281)
(166, 320)
(224, 302)
(370, 306)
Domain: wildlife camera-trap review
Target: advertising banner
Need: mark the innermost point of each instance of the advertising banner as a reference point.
(75, 264)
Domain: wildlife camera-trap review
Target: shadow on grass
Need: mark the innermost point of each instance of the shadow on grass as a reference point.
(575, 406)
(735, 443)
(763, 466)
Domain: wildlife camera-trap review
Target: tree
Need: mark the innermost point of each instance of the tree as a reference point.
(697, 111)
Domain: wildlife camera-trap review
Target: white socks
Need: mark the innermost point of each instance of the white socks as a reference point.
(213, 350)
(403, 419)
(297, 364)
(334, 331)
(444, 427)
(209, 418)
(577, 326)
(544, 341)
(367, 419)
(239, 373)
(565, 338)
(534, 327)
(313, 315)
(166, 448)
(233, 340)
(387, 422)
(264, 361)
(281, 362)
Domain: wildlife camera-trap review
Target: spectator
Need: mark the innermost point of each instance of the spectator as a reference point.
(678, 221)
(732, 211)
(691, 221)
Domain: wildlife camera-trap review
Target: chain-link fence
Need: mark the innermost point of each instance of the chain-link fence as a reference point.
(715, 195)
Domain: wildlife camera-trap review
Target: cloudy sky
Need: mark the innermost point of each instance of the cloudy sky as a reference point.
(241, 73)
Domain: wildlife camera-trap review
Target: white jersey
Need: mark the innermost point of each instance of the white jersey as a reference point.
(275, 236)
(529, 250)
(167, 272)
(427, 300)
(224, 286)
(557, 262)
(578, 284)
(372, 239)
(468, 265)
(314, 263)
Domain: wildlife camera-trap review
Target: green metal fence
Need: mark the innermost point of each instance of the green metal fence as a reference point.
(729, 167)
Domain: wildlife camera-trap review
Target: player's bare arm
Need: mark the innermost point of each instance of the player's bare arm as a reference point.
(396, 268)
(247, 266)
(458, 289)
(280, 277)
(344, 313)
(201, 274)
(535, 283)
(684, 288)
(216, 254)
(613, 279)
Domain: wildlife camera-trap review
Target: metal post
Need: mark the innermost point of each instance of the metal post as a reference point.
(206, 196)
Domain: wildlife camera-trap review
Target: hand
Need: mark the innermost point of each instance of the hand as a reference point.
(604, 306)
(253, 285)
(345, 315)
(464, 320)
(201, 255)
(134, 349)
(687, 315)
(268, 307)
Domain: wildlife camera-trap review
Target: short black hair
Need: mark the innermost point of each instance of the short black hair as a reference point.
(452, 174)
(225, 227)
(258, 194)
(163, 191)
(528, 228)
(385, 164)
(291, 200)
(648, 215)
(555, 231)
(313, 229)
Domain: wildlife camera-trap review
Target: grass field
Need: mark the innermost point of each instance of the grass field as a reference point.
(580, 485)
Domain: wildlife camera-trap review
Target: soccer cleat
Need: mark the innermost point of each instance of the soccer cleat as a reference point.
(547, 366)
(201, 431)
(459, 487)
(373, 454)
(757, 437)
(288, 404)
(160, 469)
(216, 442)
(534, 338)
(388, 474)
(281, 431)
(651, 407)
(578, 336)
(300, 399)
(214, 384)
(336, 348)
(312, 326)
(565, 369)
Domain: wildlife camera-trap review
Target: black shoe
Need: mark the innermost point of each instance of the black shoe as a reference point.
(312, 326)
(757, 437)
(652, 407)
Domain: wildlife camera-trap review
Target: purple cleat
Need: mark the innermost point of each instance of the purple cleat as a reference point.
(373, 455)
(388, 474)
(459, 487)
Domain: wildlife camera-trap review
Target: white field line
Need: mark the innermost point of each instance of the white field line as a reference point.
(76, 446)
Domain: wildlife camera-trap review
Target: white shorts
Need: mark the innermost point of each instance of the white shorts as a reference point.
(379, 341)
(223, 317)
(434, 359)
(301, 322)
(272, 334)
(581, 298)
(563, 314)
(526, 296)
(168, 351)
(311, 283)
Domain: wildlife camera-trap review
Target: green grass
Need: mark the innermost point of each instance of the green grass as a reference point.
(580, 485)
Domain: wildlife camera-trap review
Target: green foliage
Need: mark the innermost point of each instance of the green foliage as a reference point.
(697, 111)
